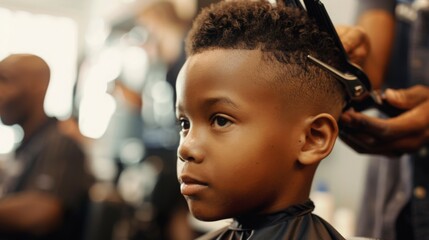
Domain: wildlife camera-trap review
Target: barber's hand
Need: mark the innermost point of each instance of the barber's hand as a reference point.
(355, 42)
(393, 136)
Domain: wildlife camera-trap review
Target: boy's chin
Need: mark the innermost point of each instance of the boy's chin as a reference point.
(207, 214)
(207, 217)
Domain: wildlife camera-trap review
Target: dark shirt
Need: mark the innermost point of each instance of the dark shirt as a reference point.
(295, 222)
(54, 163)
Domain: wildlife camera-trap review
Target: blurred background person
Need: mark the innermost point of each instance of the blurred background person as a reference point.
(44, 192)
(166, 31)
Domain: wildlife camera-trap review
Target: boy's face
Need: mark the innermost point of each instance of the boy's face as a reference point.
(239, 140)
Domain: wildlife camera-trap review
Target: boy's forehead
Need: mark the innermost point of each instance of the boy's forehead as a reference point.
(221, 63)
(252, 64)
(223, 68)
(228, 62)
(229, 55)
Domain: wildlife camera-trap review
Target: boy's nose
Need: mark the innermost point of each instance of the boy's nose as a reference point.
(190, 150)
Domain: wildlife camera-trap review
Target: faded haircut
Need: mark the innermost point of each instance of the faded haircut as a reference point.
(285, 35)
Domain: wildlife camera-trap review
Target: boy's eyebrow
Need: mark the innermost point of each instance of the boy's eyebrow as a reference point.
(219, 100)
(212, 101)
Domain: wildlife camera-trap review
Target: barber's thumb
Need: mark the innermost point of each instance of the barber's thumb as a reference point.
(402, 98)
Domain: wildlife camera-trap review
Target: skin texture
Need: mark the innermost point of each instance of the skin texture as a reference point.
(23, 83)
(244, 148)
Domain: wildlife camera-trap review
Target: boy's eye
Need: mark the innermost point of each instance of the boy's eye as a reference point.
(184, 124)
(221, 121)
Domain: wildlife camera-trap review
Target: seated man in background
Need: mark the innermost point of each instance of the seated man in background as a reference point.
(45, 190)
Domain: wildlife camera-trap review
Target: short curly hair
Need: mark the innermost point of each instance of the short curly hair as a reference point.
(284, 34)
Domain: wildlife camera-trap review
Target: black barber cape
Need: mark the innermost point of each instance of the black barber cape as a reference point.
(295, 222)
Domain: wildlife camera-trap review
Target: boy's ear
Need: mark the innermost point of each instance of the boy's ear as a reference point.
(318, 139)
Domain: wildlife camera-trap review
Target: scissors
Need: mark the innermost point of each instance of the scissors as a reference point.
(359, 93)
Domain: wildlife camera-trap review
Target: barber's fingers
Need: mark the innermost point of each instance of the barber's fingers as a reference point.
(407, 98)
(355, 42)
(410, 122)
(404, 133)
(365, 143)
(342, 33)
(407, 144)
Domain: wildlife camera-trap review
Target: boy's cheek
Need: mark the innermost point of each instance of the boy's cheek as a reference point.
(179, 166)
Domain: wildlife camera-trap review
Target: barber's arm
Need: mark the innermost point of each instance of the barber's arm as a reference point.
(405, 133)
(31, 212)
(379, 26)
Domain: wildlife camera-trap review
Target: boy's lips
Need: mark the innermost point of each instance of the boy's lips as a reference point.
(190, 186)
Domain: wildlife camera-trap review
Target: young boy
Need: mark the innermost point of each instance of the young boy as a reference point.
(256, 119)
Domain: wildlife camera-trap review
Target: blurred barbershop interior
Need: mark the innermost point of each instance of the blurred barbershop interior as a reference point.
(113, 66)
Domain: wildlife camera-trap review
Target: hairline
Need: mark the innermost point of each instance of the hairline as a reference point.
(276, 75)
